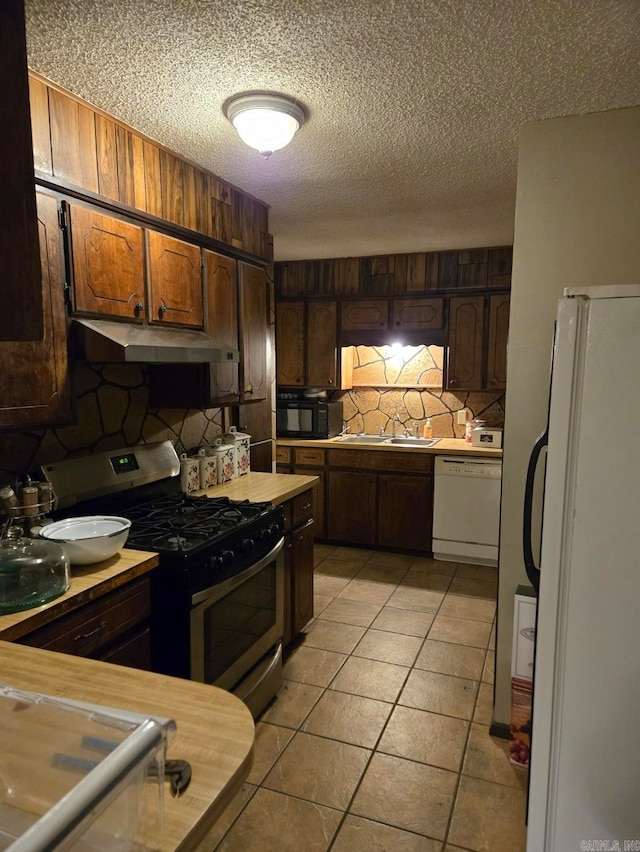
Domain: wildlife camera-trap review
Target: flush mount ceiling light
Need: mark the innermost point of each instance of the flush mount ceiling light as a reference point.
(265, 122)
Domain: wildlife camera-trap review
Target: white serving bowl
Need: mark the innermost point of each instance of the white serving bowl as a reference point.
(90, 539)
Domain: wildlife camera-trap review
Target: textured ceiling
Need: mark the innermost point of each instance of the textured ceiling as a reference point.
(413, 105)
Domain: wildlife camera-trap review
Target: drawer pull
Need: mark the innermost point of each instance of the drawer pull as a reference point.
(91, 633)
(305, 507)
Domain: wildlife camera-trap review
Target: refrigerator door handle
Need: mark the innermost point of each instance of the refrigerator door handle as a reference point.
(533, 572)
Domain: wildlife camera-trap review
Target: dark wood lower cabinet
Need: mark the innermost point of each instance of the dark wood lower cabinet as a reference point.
(405, 511)
(298, 564)
(114, 628)
(352, 503)
(301, 576)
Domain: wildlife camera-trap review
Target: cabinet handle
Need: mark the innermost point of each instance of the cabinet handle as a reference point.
(452, 381)
(162, 310)
(299, 538)
(329, 381)
(288, 546)
(138, 308)
(249, 389)
(305, 507)
(91, 633)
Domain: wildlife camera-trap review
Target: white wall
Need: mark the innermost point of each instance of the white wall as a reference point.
(577, 224)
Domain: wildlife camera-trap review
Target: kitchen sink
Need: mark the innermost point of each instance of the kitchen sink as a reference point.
(362, 439)
(401, 440)
(410, 441)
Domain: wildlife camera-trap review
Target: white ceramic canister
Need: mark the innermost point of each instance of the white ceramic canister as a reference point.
(241, 441)
(189, 473)
(226, 457)
(208, 468)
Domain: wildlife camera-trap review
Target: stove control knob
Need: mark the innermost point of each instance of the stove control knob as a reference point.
(274, 530)
(264, 534)
(216, 563)
(227, 557)
(247, 545)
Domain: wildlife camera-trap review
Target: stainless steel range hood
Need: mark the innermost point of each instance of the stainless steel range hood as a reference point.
(127, 343)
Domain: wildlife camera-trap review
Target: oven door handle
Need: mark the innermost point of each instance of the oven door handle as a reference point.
(220, 589)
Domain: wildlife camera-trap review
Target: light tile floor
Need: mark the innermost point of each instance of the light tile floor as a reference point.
(379, 738)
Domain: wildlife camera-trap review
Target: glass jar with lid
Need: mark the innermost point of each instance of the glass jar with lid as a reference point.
(32, 572)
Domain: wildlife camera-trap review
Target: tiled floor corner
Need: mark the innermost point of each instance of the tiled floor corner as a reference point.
(379, 738)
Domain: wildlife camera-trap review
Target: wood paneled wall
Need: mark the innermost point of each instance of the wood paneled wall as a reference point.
(482, 269)
(82, 146)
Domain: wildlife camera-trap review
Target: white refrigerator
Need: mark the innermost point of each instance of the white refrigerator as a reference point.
(585, 759)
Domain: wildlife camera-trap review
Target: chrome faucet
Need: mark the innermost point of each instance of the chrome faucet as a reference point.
(395, 419)
(344, 431)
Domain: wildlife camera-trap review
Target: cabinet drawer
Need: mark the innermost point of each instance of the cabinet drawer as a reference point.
(301, 508)
(96, 624)
(418, 462)
(283, 455)
(311, 456)
(286, 511)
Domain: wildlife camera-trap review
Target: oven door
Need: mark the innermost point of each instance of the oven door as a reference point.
(237, 623)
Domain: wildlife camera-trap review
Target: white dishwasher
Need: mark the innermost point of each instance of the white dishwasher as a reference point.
(466, 509)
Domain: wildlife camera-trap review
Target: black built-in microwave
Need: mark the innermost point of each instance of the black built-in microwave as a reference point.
(308, 418)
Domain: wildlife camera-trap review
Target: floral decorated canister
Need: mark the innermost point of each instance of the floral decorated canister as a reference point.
(208, 468)
(226, 459)
(189, 473)
(241, 442)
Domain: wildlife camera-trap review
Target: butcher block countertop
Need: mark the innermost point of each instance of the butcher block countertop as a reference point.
(262, 487)
(445, 446)
(88, 582)
(215, 730)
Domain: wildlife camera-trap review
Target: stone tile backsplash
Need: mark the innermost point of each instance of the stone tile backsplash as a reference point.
(407, 381)
(112, 411)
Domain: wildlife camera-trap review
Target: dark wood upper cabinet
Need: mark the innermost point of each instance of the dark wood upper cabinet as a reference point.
(34, 381)
(466, 338)
(253, 333)
(497, 335)
(175, 281)
(108, 264)
(365, 315)
(21, 317)
(222, 323)
(410, 314)
(322, 345)
(290, 343)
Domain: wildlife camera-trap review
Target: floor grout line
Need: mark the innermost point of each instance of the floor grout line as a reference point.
(374, 749)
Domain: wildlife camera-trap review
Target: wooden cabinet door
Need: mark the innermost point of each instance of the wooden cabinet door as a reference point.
(108, 264)
(253, 333)
(290, 354)
(175, 279)
(302, 576)
(418, 314)
(322, 345)
(318, 497)
(497, 336)
(221, 322)
(352, 506)
(34, 380)
(21, 317)
(405, 511)
(466, 337)
(365, 314)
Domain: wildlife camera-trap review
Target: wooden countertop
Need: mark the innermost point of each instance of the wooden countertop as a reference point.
(88, 582)
(259, 487)
(215, 730)
(445, 446)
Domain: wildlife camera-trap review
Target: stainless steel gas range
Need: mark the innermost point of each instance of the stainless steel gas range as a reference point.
(217, 610)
